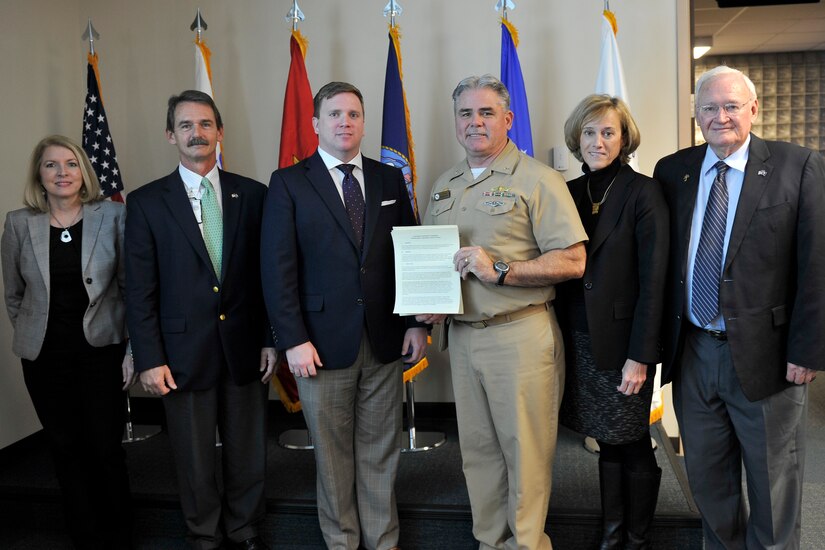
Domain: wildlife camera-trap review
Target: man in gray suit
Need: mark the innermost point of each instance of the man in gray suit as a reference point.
(745, 318)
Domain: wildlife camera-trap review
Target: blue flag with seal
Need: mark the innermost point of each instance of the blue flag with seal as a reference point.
(520, 133)
(396, 138)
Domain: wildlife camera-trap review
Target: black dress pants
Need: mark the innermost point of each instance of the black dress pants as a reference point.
(79, 402)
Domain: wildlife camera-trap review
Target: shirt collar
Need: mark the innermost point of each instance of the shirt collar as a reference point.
(193, 180)
(736, 160)
(332, 162)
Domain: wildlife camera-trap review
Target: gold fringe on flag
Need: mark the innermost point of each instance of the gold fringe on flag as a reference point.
(395, 33)
(302, 42)
(612, 18)
(512, 29)
(207, 53)
(92, 57)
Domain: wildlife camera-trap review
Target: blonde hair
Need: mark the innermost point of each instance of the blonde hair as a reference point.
(34, 195)
(594, 107)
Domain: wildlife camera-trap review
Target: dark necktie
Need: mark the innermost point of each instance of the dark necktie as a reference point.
(353, 201)
(707, 268)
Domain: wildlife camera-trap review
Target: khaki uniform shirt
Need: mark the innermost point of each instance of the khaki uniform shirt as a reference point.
(516, 210)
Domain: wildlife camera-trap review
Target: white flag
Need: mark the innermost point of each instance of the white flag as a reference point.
(611, 74)
(203, 81)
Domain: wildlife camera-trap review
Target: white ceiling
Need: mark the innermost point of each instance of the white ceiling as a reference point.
(791, 28)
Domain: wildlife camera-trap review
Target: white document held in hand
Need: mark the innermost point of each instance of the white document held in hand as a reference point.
(425, 278)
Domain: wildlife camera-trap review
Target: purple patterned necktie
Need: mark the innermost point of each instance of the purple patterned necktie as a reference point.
(707, 268)
(353, 201)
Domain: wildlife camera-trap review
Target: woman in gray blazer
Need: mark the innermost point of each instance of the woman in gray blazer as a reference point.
(611, 317)
(63, 274)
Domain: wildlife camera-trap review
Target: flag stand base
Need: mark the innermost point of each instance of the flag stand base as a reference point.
(417, 442)
(132, 433)
(296, 440)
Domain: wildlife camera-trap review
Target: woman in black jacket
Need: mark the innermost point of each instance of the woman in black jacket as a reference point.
(611, 316)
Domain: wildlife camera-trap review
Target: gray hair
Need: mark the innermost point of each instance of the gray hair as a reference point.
(715, 72)
(485, 81)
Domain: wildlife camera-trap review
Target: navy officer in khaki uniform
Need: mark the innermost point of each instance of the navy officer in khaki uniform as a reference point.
(520, 235)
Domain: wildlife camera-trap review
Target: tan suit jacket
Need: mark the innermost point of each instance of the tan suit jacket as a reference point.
(25, 256)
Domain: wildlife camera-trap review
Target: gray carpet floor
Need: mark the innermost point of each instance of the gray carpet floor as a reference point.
(432, 479)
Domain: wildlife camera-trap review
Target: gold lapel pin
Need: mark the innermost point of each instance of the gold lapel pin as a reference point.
(686, 177)
(234, 195)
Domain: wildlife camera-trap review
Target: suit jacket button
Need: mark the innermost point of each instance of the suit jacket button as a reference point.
(222, 317)
(360, 301)
(88, 280)
(215, 289)
(588, 285)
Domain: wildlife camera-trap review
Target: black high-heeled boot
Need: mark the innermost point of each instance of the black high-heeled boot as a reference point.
(641, 496)
(610, 485)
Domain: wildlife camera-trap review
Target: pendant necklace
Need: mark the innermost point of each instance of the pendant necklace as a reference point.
(596, 205)
(65, 236)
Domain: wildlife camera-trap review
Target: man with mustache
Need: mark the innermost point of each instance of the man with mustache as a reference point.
(198, 327)
(520, 235)
(744, 314)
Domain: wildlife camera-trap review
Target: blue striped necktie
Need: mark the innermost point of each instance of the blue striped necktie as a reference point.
(707, 268)
(353, 201)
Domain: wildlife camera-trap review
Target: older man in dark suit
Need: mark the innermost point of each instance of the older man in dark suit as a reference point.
(743, 332)
(329, 283)
(198, 327)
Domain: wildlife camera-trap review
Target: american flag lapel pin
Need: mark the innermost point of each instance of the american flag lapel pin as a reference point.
(763, 173)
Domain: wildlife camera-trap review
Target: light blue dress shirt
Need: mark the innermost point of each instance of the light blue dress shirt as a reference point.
(734, 178)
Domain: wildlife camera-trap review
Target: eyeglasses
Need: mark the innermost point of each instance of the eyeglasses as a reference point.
(732, 109)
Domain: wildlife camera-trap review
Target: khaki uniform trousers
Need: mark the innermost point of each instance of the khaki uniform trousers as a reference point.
(508, 381)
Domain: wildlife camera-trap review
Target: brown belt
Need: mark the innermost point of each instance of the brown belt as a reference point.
(505, 318)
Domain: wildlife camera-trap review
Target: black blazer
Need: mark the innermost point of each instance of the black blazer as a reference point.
(177, 311)
(624, 277)
(772, 294)
(318, 287)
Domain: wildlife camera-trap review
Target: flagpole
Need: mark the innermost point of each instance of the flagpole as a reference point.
(295, 14)
(198, 25)
(503, 6)
(392, 9)
(283, 380)
(91, 35)
(131, 433)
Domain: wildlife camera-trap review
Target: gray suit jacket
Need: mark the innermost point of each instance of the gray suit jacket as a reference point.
(25, 256)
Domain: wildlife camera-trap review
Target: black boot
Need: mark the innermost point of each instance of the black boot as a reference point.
(642, 493)
(610, 485)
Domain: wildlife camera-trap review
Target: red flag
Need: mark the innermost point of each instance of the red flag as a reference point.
(298, 138)
(298, 141)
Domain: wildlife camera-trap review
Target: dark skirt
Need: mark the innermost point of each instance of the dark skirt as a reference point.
(593, 406)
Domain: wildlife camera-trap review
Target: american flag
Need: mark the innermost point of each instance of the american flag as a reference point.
(97, 139)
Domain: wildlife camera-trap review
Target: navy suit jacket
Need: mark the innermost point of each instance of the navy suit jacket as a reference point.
(178, 312)
(772, 294)
(318, 285)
